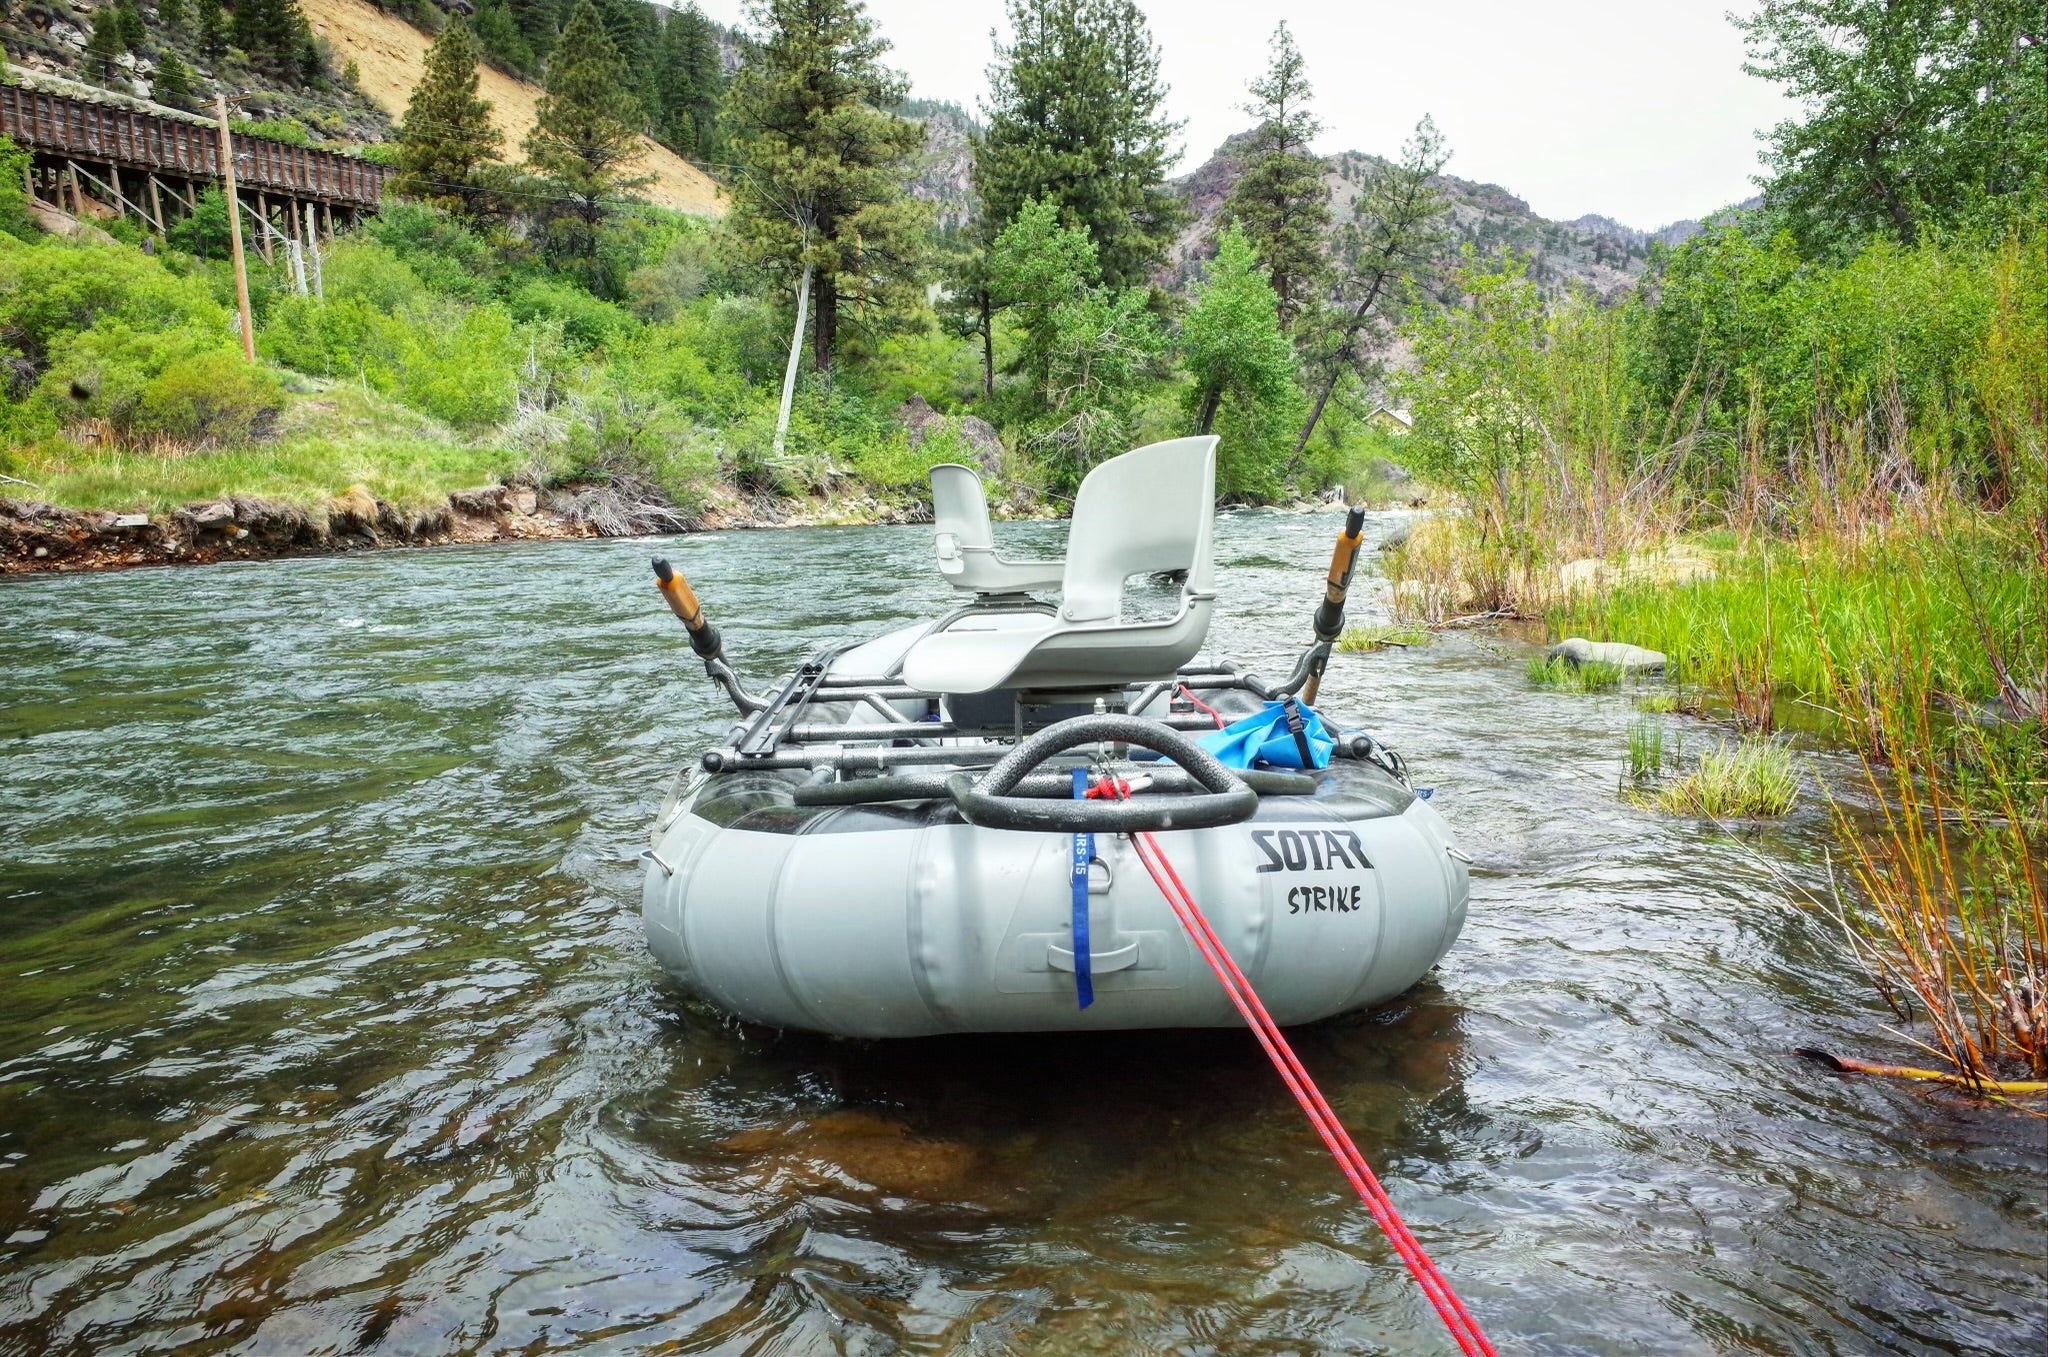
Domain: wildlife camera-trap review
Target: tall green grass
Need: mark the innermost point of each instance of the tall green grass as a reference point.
(1563, 676)
(1754, 778)
(1950, 604)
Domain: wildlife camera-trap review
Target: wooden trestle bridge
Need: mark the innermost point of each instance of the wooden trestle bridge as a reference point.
(152, 165)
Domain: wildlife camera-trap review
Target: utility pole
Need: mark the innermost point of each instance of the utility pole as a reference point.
(227, 174)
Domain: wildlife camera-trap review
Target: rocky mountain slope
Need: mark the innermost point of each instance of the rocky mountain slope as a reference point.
(1595, 252)
(945, 177)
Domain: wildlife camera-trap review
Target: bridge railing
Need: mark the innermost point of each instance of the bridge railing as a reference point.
(55, 125)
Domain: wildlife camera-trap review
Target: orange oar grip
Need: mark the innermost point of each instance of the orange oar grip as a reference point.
(1341, 562)
(1330, 614)
(682, 600)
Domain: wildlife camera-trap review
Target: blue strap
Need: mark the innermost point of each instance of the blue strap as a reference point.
(1084, 853)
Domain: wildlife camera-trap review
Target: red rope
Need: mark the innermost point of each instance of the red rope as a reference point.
(1200, 705)
(1463, 1328)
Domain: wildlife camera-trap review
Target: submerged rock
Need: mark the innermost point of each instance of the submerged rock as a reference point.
(862, 1146)
(1576, 651)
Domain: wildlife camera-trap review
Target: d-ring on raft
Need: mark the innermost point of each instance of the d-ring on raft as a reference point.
(887, 844)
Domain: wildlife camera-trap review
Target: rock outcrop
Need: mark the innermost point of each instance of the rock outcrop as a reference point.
(1576, 651)
(977, 436)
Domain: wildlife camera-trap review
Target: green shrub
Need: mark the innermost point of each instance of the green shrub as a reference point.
(102, 372)
(372, 272)
(54, 288)
(586, 322)
(212, 397)
(446, 255)
(14, 216)
(204, 230)
(290, 131)
(459, 364)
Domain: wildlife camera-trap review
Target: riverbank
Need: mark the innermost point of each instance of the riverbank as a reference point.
(1915, 643)
(36, 537)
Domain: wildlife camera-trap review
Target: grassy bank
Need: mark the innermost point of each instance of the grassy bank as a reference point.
(327, 437)
(1809, 480)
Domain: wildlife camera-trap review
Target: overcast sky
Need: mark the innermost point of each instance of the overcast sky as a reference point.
(1637, 110)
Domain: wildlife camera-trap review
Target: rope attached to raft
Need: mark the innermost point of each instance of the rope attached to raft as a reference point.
(1464, 1329)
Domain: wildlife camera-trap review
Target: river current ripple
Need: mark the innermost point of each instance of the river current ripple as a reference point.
(326, 1024)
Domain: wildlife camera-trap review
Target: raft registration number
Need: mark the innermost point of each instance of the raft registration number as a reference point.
(1314, 850)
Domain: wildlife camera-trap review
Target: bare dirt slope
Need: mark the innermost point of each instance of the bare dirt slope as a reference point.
(390, 55)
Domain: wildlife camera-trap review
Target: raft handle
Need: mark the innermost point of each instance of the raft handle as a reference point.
(988, 803)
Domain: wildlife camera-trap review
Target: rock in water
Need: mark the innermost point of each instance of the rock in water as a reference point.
(1632, 659)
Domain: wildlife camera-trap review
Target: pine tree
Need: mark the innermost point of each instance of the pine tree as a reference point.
(171, 12)
(173, 82)
(1074, 118)
(1397, 230)
(213, 33)
(586, 134)
(690, 84)
(824, 170)
(1281, 200)
(133, 32)
(499, 35)
(104, 43)
(250, 22)
(447, 136)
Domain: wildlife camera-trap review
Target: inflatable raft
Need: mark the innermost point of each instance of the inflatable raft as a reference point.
(929, 831)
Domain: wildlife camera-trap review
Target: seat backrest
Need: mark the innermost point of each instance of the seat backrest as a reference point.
(1148, 510)
(960, 514)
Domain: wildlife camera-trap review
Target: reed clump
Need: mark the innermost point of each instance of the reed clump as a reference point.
(1749, 779)
(1563, 676)
(1646, 752)
(1381, 636)
(1951, 920)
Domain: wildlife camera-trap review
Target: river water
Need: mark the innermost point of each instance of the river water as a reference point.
(326, 1024)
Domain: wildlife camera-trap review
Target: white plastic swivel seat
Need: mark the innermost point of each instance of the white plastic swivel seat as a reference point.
(966, 541)
(1147, 511)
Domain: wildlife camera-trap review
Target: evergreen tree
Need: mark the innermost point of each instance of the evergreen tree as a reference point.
(823, 169)
(634, 27)
(273, 33)
(173, 82)
(1074, 117)
(586, 134)
(1397, 229)
(690, 85)
(133, 32)
(104, 43)
(447, 137)
(1243, 367)
(1281, 200)
(499, 35)
(171, 12)
(213, 33)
